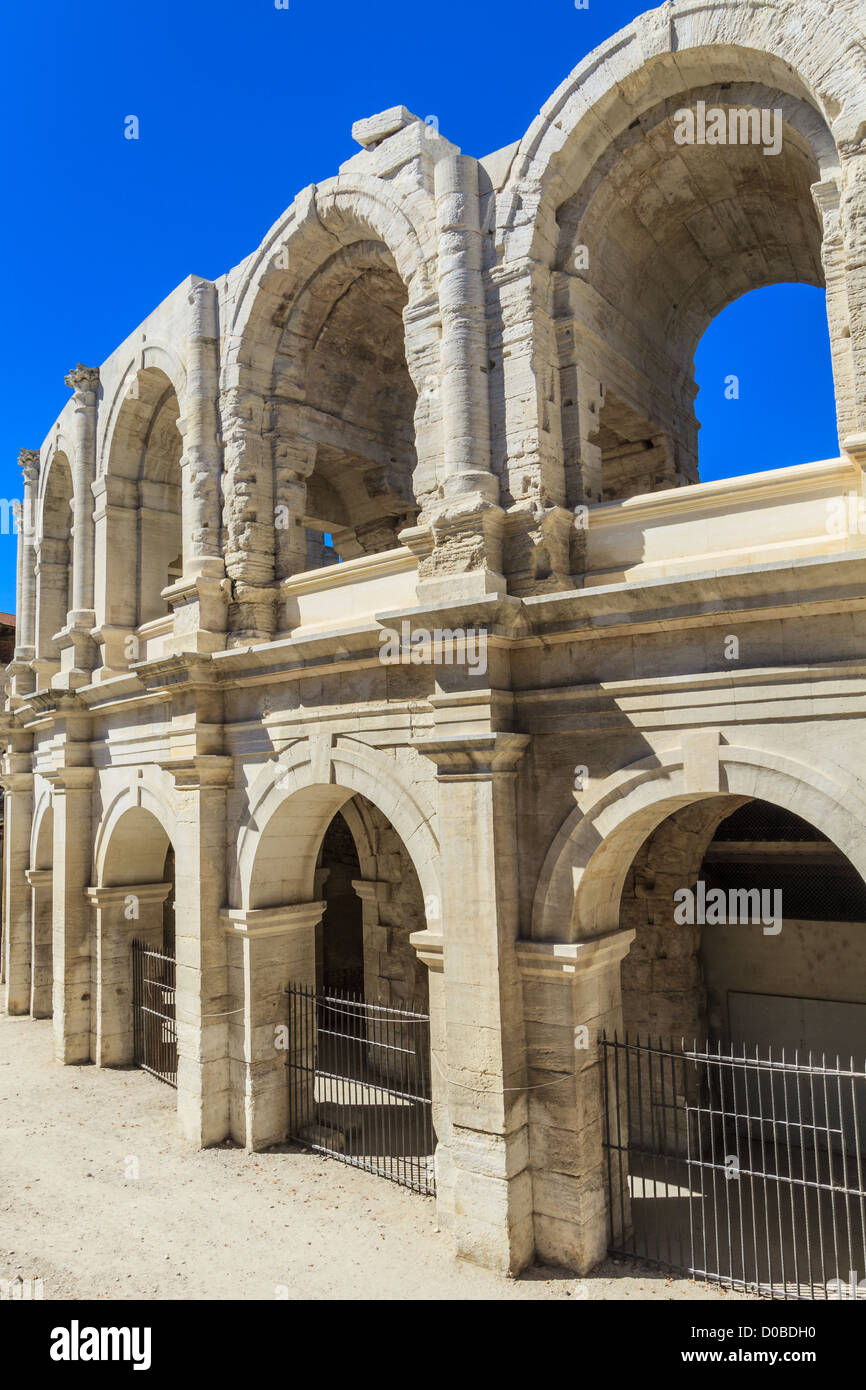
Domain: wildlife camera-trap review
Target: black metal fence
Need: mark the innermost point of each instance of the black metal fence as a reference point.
(740, 1169)
(359, 1085)
(153, 1012)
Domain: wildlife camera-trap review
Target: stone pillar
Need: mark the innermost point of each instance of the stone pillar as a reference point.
(52, 599)
(18, 819)
(28, 461)
(269, 949)
(546, 472)
(571, 995)
(430, 946)
(294, 462)
(248, 517)
(849, 140)
(77, 647)
(41, 948)
(122, 913)
(199, 601)
(115, 522)
(484, 1061)
(467, 526)
(20, 670)
(71, 917)
(202, 986)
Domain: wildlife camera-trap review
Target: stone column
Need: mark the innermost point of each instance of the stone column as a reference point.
(20, 669)
(28, 461)
(248, 517)
(430, 946)
(71, 917)
(467, 526)
(122, 913)
(115, 522)
(18, 819)
(269, 949)
(77, 647)
(571, 995)
(851, 229)
(485, 1064)
(41, 949)
(202, 986)
(52, 598)
(199, 601)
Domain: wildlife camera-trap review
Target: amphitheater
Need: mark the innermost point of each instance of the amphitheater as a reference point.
(453, 399)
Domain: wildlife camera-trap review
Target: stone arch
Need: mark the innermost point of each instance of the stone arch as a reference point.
(304, 287)
(126, 844)
(338, 212)
(54, 553)
(292, 794)
(140, 501)
(591, 168)
(581, 882)
(154, 355)
(659, 55)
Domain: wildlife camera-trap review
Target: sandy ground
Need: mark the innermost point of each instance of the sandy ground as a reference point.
(221, 1223)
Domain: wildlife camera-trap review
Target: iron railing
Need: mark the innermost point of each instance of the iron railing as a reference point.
(153, 1012)
(740, 1169)
(359, 1085)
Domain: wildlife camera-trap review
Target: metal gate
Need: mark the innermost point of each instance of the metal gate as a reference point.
(359, 1085)
(740, 1169)
(154, 1027)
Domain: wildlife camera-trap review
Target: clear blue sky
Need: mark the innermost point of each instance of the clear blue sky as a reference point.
(240, 106)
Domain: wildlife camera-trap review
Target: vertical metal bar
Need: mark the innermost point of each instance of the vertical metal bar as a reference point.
(791, 1177)
(859, 1166)
(831, 1175)
(803, 1174)
(845, 1181)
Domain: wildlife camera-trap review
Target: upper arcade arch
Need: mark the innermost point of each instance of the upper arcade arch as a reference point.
(327, 420)
(139, 530)
(668, 234)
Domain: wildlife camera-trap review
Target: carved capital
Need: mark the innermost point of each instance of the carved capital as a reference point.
(83, 380)
(28, 462)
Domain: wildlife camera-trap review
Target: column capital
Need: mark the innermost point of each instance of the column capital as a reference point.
(13, 782)
(430, 948)
(253, 923)
(70, 779)
(115, 894)
(566, 959)
(28, 462)
(200, 772)
(474, 755)
(39, 878)
(83, 382)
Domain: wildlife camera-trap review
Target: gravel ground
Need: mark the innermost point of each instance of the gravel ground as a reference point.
(100, 1199)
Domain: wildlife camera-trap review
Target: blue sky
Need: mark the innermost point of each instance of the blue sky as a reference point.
(240, 106)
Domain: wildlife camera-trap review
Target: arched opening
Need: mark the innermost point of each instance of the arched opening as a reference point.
(677, 219)
(40, 876)
(140, 549)
(357, 1076)
(345, 401)
(774, 408)
(740, 1075)
(135, 1013)
(54, 563)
